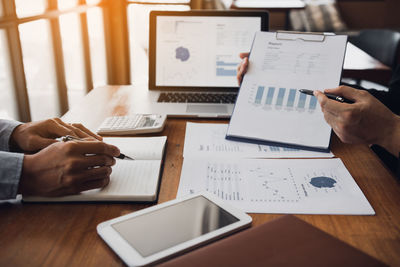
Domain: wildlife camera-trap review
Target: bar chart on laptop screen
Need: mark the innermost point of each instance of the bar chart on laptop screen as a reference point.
(226, 65)
(281, 98)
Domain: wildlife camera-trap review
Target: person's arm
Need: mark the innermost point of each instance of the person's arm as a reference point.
(59, 168)
(6, 129)
(10, 173)
(11, 163)
(66, 168)
(34, 136)
(366, 121)
(390, 98)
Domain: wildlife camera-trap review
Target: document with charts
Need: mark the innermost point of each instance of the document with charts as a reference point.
(269, 107)
(295, 186)
(205, 140)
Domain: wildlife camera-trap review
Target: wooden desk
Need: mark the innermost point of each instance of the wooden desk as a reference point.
(65, 234)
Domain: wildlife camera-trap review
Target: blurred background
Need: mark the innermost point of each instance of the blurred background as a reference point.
(53, 52)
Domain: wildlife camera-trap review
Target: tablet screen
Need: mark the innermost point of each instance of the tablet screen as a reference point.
(164, 228)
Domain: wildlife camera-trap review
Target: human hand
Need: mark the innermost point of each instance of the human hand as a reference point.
(242, 67)
(67, 168)
(34, 136)
(366, 121)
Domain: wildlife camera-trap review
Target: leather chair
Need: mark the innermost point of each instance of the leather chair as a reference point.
(384, 45)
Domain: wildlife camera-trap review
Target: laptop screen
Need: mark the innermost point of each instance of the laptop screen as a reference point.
(201, 51)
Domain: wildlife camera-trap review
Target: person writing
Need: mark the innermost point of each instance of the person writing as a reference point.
(33, 162)
(373, 118)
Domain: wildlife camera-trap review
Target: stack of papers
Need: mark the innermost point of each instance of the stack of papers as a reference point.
(241, 174)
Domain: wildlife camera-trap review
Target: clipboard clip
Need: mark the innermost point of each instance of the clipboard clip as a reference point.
(314, 36)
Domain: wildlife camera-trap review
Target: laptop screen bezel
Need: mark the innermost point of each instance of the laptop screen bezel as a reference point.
(199, 13)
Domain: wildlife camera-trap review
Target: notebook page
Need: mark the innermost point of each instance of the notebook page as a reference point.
(133, 178)
(130, 181)
(139, 148)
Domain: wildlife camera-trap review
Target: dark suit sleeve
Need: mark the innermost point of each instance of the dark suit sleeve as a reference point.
(391, 98)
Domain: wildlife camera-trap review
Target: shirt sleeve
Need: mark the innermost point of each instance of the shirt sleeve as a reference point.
(11, 163)
(10, 173)
(6, 129)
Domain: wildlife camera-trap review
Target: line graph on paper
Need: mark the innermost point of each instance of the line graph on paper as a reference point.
(229, 182)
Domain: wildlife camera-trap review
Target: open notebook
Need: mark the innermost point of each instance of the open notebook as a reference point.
(131, 180)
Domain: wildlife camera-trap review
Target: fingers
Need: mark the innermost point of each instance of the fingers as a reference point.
(76, 165)
(244, 55)
(345, 91)
(329, 105)
(87, 131)
(242, 69)
(75, 129)
(41, 142)
(90, 179)
(91, 147)
(100, 183)
(91, 174)
(76, 189)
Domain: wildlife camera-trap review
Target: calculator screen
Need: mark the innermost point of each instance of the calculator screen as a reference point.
(148, 122)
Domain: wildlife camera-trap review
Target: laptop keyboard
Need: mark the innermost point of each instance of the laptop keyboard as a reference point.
(174, 97)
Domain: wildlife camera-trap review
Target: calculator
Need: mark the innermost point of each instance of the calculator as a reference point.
(132, 124)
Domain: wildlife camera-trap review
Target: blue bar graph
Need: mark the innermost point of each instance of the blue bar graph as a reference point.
(290, 149)
(260, 92)
(274, 148)
(270, 95)
(281, 95)
(292, 95)
(226, 72)
(223, 63)
(302, 101)
(313, 102)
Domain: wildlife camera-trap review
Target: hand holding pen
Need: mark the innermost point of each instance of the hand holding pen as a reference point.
(72, 138)
(366, 121)
(328, 95)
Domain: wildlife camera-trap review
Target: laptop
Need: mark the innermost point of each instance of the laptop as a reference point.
(193, 57)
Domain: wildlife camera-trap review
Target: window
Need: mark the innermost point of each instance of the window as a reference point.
(47, 55)
(52, 52)
(7, 98)
(138, 18)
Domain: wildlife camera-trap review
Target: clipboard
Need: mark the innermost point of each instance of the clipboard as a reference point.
(269, 108)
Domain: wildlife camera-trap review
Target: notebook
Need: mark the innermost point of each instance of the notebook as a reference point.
(131, 180)
(270, 108)
(285, 241)
(193, 56)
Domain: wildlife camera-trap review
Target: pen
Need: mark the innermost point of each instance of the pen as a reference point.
(330, 96)
(70, 138)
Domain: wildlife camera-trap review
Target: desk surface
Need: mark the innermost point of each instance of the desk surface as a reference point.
(65, 234)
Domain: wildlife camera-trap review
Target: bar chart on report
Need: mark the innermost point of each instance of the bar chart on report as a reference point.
(282, 98)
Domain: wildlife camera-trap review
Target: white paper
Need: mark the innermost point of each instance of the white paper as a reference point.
(294, 186)
(208, 140)
(143, 148)
(269, 105)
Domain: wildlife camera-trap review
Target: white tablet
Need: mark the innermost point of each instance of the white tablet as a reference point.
(152, 234)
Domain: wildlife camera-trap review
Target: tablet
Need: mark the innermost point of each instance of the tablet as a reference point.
(162, 231)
